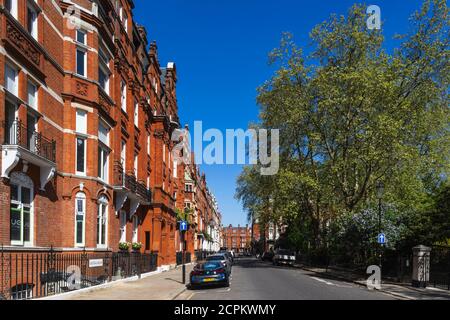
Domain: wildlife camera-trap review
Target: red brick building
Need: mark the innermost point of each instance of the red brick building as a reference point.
(87, 115)
(237, 239)
(206, 217)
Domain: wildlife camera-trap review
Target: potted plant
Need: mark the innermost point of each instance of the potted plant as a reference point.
(137, 246)
(124, 246)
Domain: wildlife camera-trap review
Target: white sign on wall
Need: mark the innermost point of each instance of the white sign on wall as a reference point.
(95, 263)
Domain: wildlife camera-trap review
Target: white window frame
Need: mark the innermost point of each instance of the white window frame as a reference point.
(24, 183)
(135, 237)
(149, 141)
(81, 121)
(136, 164)
(103, 202)
(15, 70)
(80, 197)
(123, 95)
(123, 225)
(32, 84)
(103, 171)
(81, 173)
(14, 8)
(84, 51)
(104, 67)
(175, 169)
(136, 114)
(34, 26)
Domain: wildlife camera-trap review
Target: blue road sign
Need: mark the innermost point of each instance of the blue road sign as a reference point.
(382, 238)
(183, 226)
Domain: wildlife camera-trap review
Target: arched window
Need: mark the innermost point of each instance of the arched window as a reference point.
(80, 219)
(102, 222)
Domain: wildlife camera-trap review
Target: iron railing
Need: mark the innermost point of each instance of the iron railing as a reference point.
(30, 275)
(440, 267)
(188, 258)
(130, 183)
(16, 134)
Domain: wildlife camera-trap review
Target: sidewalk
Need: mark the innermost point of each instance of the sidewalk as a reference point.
(402, 291)
(163, 286)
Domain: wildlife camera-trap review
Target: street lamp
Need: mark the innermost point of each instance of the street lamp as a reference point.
(380, 193)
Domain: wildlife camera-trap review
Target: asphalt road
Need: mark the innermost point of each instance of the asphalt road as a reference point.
(256, 280)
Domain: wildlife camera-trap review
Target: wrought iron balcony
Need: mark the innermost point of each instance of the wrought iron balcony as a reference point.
(16, 134)
(129, 182)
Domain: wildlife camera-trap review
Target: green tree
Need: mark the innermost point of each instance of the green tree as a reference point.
(350, 115)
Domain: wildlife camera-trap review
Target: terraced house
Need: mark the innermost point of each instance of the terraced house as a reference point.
(87, 115)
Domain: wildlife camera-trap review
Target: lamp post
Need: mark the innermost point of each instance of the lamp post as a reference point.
(380, 192)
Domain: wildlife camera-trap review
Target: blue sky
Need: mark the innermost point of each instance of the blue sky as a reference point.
(221, 48)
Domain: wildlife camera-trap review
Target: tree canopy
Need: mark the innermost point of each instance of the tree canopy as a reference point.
(352, 114)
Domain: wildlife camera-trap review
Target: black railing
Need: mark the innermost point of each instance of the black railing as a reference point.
(188, 258)
(17, 134)
(29, 275)
(440, 267)
(130, 182)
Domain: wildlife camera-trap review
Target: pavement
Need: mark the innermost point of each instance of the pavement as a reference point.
(254, 280)
(163, 286)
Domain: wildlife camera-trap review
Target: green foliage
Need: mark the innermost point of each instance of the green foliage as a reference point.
(351, 115)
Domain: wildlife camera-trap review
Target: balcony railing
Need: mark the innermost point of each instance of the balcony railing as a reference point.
(16, 134)
(130, 183)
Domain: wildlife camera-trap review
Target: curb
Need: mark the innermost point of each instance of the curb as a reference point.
(360, 283)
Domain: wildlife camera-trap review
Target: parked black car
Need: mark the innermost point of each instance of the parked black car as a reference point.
(221, 257)
(209, 273)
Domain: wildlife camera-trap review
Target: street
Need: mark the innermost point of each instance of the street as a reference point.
(253, 279)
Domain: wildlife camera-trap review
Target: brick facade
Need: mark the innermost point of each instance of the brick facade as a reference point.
(103, 117)
(237, 239)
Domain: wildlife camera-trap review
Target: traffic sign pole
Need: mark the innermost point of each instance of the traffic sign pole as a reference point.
(183, 228)
(184, 257)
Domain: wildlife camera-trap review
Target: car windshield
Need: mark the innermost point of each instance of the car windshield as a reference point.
(208, 266)
(215, 258)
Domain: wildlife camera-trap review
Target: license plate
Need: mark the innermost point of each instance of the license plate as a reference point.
(209, 280)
